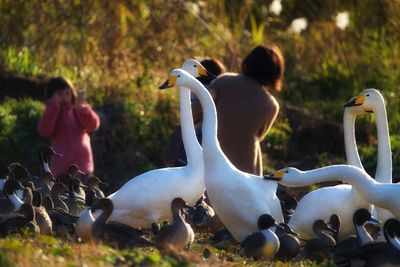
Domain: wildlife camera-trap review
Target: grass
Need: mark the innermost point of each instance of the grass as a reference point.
(25, 250)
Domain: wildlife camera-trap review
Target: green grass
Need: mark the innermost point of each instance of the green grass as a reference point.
(50, 251)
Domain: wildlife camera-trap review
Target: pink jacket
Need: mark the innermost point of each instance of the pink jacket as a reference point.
(68, 130)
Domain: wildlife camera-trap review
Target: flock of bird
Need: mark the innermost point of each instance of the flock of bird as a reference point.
(347, 223)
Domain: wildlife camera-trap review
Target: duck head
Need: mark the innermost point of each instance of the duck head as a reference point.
(64, 178)
(76, 184)
(178, 204)
(266, 221)
(75, 172)
(285, 229)
(105, 204)
(391, 230)
(94, 181)
(18, 172)
(366, 101)
(363, 216)
(45, 153)
(11, 186)
(320, 225)
(58, 189)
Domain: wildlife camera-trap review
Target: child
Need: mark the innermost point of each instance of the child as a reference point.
(67, 119)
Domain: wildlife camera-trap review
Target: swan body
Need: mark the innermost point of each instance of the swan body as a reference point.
(224, 182)
(146, 199)
(329, 200)
(383, 195)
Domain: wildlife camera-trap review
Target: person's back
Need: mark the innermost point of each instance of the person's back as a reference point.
(245, 108)
(245, 113)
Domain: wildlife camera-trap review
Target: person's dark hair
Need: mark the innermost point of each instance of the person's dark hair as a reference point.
(213, 66)
(266, 65)
(60, 83)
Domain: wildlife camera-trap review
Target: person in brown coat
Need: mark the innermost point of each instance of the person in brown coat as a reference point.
(246, 109)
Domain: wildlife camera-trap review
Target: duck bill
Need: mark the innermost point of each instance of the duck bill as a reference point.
(168, 83)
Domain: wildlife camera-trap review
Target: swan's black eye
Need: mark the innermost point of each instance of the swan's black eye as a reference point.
(179, 76)
(195, 66)
(286, 171)
(367, 94)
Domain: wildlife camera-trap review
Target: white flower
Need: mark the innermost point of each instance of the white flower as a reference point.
(342, 20)
(298, 25)
(276, 7)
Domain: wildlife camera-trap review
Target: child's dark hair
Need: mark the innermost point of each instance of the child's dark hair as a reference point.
(213, 66)
(266, 65)
(60, 83)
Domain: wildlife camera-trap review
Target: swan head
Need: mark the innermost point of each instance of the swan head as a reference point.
(195, 68)
(285, 175)
(178, 78)
(367, 101)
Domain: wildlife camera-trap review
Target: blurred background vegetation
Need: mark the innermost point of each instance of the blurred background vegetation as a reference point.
(120, 51)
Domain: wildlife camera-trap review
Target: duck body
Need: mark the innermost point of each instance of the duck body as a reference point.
(256, 245)
(289, 244)
(25, 219)
(263, 244)
(381, 253)
(224, 182)
(115, 234)
(179, 234)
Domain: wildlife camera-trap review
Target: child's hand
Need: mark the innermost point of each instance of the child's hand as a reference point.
(80, 103)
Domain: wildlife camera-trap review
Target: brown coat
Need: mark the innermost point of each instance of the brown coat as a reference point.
(246, 112)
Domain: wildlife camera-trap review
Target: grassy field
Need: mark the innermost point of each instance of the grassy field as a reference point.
(25, 250)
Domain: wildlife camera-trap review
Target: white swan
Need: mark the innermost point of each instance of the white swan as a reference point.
(238, 198)
(383, 195)
(146, 199)
(322, 203)
(371, 100)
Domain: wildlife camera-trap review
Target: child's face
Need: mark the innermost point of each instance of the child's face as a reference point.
(65, 96)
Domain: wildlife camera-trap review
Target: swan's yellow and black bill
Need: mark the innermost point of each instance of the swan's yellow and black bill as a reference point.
(202, 71)
(277, 176)
(356, 101)
(168, 83)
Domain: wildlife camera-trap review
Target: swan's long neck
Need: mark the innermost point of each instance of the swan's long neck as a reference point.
(353, 158)
(359, 179)
(367, 187)
(383, 172)
(209, 129)
(193, 149)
